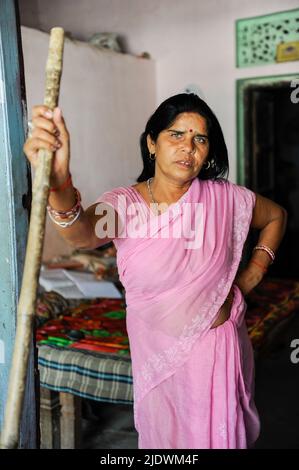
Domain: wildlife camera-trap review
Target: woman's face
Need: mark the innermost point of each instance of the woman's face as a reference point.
(182, 149)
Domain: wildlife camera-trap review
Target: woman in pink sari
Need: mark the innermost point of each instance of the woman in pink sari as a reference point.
(179, 235)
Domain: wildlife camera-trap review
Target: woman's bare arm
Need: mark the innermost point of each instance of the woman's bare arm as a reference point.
(84, 233)
(271, 219)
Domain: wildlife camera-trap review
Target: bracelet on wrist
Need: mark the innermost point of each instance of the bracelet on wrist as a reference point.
(267, 249)
(70, 215)
(66, 213)
(69, 222)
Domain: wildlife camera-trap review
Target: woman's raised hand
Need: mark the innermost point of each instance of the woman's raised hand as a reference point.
(49, 132)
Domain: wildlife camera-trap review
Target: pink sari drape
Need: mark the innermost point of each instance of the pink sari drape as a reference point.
(193, 385)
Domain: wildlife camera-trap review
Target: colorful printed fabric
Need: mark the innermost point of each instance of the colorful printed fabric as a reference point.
(268, 303)
(92, 325)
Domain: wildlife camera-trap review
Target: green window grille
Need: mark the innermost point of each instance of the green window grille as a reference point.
(257, 38)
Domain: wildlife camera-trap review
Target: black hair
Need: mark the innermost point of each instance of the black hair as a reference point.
(163, 118)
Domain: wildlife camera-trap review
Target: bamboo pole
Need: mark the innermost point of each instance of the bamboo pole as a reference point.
(27, 300)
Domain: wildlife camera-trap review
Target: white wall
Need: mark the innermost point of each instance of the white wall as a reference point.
(193, 42)
(106, 98)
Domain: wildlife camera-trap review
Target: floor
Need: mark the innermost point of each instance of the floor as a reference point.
(108, 426)
(277, 392)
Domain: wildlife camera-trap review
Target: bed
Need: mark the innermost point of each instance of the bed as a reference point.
(84, 351)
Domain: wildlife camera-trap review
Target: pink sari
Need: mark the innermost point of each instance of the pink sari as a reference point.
(193, 385)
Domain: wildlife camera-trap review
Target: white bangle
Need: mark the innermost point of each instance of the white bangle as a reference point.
(66, 224)
(267, 249)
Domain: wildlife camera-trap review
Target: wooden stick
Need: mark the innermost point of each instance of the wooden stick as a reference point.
(27, 300)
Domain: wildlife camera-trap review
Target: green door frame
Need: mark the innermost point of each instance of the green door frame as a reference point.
(242, 87)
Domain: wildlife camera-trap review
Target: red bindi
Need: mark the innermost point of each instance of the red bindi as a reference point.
(190, 130)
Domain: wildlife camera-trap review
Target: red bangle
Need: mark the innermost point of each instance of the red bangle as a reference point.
(64, 185)
(264, 269)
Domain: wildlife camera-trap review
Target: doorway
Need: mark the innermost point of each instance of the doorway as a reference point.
(268, 157)
(268, 164)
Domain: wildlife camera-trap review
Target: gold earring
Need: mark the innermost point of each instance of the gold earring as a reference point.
(208, 165)
(152, 158)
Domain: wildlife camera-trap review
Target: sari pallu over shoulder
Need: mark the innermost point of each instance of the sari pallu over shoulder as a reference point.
(174, 292)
